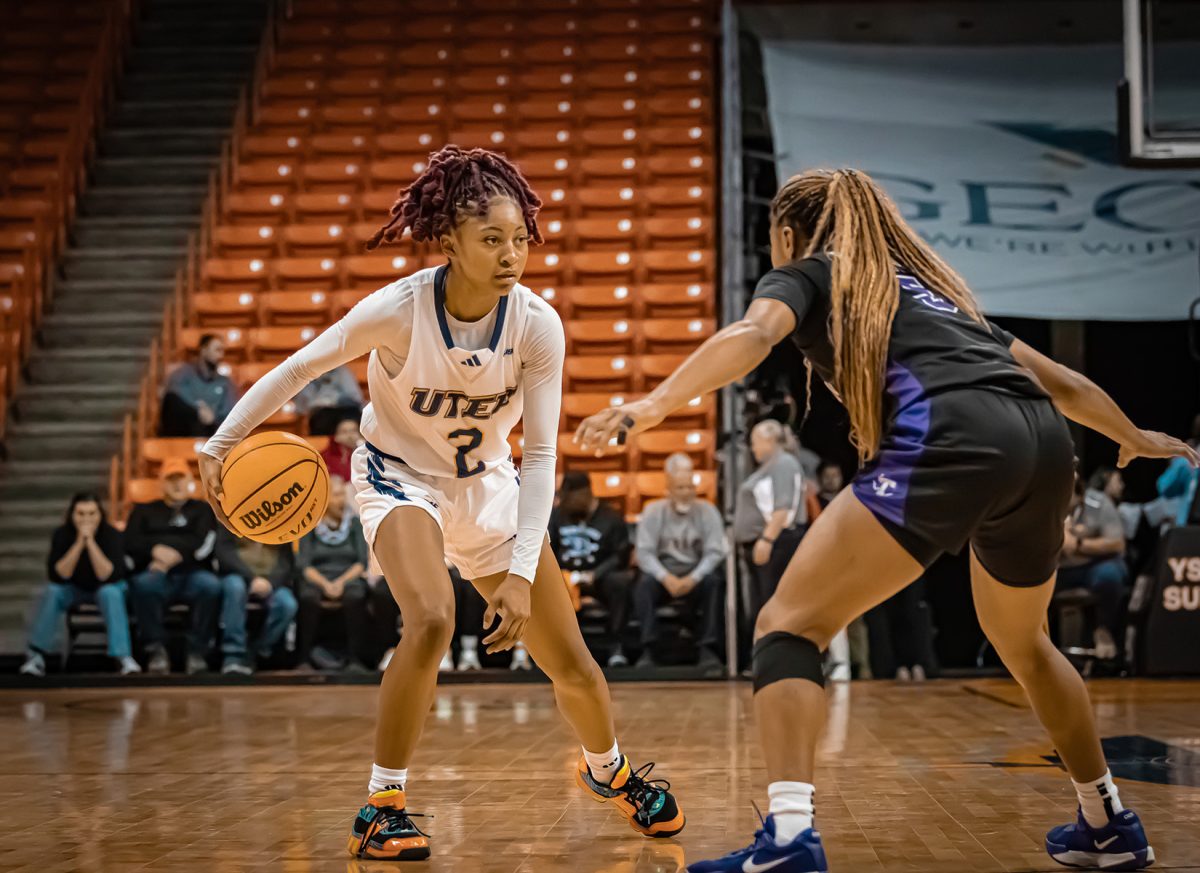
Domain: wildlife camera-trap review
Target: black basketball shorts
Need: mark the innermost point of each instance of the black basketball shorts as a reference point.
(975, 466)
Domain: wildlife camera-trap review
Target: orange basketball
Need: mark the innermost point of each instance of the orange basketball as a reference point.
(276, 487)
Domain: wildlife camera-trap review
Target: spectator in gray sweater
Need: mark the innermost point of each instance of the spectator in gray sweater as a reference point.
(256, 571)
(680, 552)
(333, 572)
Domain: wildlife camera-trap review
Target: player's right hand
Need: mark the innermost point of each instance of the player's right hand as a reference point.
(210, 479)
(596, 432)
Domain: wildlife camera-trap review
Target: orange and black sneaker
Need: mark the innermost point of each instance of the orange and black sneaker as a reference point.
(384, 830)
(647, 803)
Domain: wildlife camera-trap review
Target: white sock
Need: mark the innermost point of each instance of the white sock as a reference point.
(1099, 800)
(792, 808)
(469, 644)
(604, 764)
(382, 777)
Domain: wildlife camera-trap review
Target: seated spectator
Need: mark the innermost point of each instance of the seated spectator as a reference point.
(261, 572)
(333, 563)
(769, 516)
(328, 399)
(197, 397)
(170, 542)
(345, 439)
(681, 552)
(86, 565)
(830, 482)
(1093, 558)
(591, 542)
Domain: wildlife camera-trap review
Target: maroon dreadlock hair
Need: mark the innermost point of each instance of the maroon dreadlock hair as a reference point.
(457, 184)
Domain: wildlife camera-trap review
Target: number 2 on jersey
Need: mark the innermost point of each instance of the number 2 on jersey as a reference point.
(475, 437)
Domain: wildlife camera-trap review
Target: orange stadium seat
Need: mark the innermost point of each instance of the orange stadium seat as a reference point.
(552, 141)
(599, 301)
(331, 177)
(396, 173)
(261, 147)
(265, 177)
(664, 336)
(601, 337)
(653, 485)
(236, 275)
(330, 208)
(349, 147)
(234, 241)
(677, 265)
(613, 487)
(666, 301)
(276, 343)
(609, 170)
(614, 48)
(416, 145)
(697, 413)
(313, 240)
(655, 445)
(676, 232)
(655, 368)
(678, 76)
(281, 308)
(344, 301)
(683, 139)
(319, 274)
(225, 309)
(143, 490)
(159, 449)
(601, 373)
(606, 268)
(616, 233)
(375, 271)
(233, 337)
(612, 202)
(256, 209)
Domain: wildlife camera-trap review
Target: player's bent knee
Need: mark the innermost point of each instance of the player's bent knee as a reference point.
(781, 655)
(430, 631)
(573, 672)
(775, 617)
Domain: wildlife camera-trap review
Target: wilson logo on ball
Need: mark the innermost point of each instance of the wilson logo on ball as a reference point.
(256, 518)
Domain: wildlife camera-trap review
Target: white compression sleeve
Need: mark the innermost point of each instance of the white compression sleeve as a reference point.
(543, 369)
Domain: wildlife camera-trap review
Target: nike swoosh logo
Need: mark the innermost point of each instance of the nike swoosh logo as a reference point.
(751, 867)
(1106, 843)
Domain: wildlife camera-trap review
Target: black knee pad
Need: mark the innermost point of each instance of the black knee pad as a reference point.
(780, 655)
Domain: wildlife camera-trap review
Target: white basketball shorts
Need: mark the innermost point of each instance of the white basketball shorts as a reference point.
(477, 515)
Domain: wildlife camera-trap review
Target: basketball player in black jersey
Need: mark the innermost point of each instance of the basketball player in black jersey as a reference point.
(962, 440)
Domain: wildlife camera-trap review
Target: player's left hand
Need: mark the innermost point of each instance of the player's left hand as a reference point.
(596, 431)
(1152, 444)
(511, 601)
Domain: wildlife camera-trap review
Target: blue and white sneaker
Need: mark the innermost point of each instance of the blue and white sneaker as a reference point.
(1119, 845)
(802, 855)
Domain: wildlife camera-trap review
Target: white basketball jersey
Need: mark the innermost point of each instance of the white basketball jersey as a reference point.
(449, 410)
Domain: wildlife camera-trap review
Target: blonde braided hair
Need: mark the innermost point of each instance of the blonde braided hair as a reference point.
(847, 215)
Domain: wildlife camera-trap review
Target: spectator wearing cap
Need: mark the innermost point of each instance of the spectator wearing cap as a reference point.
(198, 397)
(170, 543)
(681, 552)
(330, 398)
(260, 572)
(86, 565)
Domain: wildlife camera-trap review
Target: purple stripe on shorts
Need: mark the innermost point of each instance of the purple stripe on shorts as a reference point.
(882, 485)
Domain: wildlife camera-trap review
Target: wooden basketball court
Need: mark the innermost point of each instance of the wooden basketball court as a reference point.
(946, 776)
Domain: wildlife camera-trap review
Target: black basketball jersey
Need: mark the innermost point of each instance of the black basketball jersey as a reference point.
(934, 347)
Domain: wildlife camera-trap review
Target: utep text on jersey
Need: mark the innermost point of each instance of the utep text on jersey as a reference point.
(430, 401)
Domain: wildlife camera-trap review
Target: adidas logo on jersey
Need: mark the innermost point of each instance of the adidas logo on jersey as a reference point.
(473, 361)
(508, 351)
(430, 402)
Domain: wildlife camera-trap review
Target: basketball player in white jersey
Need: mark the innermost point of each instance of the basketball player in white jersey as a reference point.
(458, 354)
